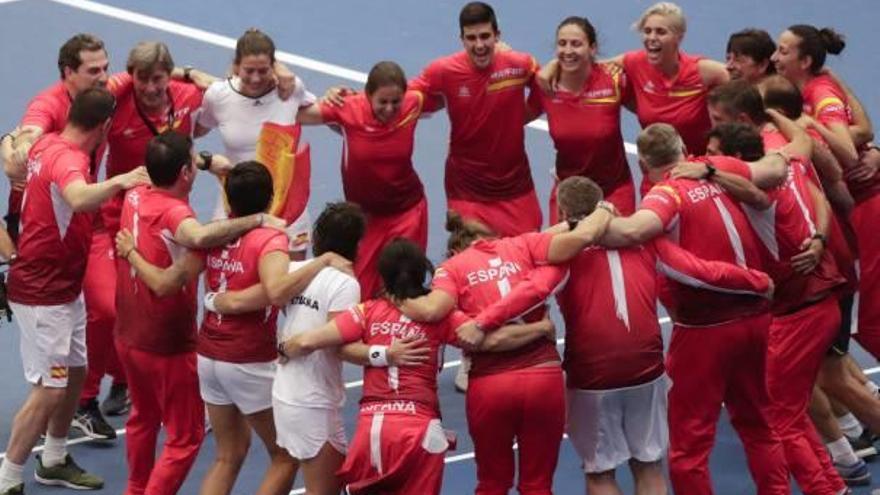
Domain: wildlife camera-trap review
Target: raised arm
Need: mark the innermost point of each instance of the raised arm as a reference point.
(310, 115)
(739, 187)
(82, 196)
(162, 281)
(431, 307)
(713, 73)
(588, 231)
(640, 227)
(193, 234)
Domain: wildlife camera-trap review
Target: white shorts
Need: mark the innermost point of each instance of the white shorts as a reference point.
(303, 431)
(248, 386)
(299, 233)
(609, 427)
(53, 339)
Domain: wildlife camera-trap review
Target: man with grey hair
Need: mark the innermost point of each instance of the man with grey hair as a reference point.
(719, 340)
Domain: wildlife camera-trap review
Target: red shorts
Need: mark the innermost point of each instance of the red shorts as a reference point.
(507, 217)
(864, 220)
(623, 197)
(395, 453)
(411, 224)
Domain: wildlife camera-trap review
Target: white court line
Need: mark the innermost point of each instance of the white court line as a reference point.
(227, 42)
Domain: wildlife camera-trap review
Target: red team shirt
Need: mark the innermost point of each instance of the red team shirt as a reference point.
(247, 337)
(609, 303)
(129, 135)
(487, 157)
(48, 111)
(680, 102)
(377, 169)
(585, 128)
(782, 229)
(378, 322)
(825, 101)
(162, 325)
(703, 219)
(54, 243)
(483, 274)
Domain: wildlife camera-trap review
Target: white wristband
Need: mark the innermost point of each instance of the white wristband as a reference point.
(378, 356)
(209, 302)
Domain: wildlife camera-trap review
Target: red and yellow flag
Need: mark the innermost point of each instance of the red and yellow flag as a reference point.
(288, 159)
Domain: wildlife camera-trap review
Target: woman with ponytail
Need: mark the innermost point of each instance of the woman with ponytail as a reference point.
(399, 443)
(800, 57)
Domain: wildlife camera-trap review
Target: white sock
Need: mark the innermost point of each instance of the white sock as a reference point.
(875, 390)
(841, 452)
(850, 425)
(10, 474)
(54, 451)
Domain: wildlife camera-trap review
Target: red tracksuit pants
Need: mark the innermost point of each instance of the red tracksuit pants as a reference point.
(797, 345)
(527, 406)
(864, 223)
(411, 224)
(711, 366)
(99, 290)
(507, 217)
(164, 393)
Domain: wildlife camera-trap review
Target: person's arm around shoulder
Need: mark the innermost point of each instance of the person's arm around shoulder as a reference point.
(712, 72)
(193, 234)
(81, 196)
(162, 281)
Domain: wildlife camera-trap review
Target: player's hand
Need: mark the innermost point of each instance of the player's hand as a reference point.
(201, 79)
(335, 95)
(470, 336)
(809, 257)
(220, 165)
(547, 76)
(771, 289)
(134, 178)
(340, 263)
(502, 46)
(285, 81)
(408, 351)
(549, 329)
(689, 170)
(869, 162)
(124, 243)
(806, 122)
(17, 185)
(273, 222)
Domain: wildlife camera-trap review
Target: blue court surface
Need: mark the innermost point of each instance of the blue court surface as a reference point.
(334, 43)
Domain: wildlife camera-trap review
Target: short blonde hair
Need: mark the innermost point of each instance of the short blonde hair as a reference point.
(659, 144)
(665, 9)
(148, 56)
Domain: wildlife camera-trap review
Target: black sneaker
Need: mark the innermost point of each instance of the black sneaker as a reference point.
(68, 475)
(91, 423)
(863, 446)
(118, 402)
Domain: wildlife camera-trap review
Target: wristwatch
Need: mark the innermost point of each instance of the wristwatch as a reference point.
(821, 238)
(207, 157)
(710, 172)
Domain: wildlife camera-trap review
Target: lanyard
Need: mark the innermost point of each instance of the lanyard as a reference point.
(149, 123)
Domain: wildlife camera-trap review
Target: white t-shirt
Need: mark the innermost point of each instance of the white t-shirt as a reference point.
(240, 119)
(315, 380)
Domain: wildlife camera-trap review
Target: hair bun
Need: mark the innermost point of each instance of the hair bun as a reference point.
(454, 221)
(834, 43)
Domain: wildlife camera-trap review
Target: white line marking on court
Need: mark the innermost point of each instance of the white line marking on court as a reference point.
(227, 42)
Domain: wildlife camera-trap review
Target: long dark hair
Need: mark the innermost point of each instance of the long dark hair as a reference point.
(404, 269)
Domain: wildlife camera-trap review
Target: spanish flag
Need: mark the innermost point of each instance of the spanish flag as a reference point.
(288, 159)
